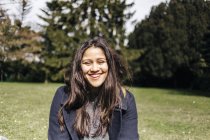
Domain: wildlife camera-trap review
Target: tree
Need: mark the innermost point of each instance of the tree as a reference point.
(170, 42)
(20, 48)
(204, 80)
(206, 48)
(69, 23)
(24, 8)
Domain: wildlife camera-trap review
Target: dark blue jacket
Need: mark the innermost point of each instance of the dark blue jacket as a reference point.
(123, 125)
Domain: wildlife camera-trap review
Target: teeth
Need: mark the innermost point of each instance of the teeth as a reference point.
(95, 75)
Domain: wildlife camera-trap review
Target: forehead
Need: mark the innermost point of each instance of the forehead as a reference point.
(93, 52)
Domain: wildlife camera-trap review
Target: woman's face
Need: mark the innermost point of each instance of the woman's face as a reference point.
(94, 66)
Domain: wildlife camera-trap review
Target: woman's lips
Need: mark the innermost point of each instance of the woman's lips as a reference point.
(94, 76)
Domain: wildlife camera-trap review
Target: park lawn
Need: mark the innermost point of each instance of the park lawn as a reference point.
(164, 114)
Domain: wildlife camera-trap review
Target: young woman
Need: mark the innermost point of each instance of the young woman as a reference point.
(93, 105)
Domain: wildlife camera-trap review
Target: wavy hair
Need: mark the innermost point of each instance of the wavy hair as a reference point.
(108, 97)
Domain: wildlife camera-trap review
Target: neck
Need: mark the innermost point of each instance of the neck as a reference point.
(93, 93)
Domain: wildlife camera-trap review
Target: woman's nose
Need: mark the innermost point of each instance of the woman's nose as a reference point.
(95, 67)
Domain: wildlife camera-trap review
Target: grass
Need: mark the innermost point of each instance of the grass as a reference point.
(164, 114)
(24, 110)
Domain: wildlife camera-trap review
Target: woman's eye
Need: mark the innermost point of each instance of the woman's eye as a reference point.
(101, 62)
(86, 63)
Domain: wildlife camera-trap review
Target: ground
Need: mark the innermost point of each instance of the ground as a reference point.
(164, 114)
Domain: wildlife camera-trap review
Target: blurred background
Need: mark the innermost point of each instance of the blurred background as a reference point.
(166, 43)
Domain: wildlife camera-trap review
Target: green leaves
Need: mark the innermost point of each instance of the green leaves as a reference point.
(70, 23)
(171, 38)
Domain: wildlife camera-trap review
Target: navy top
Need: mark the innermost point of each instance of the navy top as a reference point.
(123, 125)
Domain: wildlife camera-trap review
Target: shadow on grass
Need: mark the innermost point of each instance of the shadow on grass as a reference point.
(178, 91)
(188, 92)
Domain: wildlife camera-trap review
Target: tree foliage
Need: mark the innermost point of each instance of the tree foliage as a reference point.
(20, 50)
(69, 23)
(170, 40)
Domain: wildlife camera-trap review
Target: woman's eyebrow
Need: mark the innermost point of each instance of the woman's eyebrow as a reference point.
(86, 60)
(102, 58)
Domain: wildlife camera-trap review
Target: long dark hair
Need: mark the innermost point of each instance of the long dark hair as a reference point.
(107, 99)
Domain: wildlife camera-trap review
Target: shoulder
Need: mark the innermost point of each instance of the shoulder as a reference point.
(126, 94)
(61, 94)
(61, 89)
(59, 99)
(129, 96)
(128, 99)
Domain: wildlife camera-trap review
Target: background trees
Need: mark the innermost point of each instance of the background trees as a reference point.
(69, 23)
(169, 48)
(20, 50)
(171, 42)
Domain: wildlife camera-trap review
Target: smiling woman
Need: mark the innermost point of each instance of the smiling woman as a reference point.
(92, 105)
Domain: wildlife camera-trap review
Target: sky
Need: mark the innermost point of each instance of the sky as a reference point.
(142, 8)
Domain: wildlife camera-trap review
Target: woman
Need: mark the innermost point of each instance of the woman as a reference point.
(92, 105)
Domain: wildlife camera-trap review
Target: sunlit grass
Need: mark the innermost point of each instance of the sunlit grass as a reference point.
(24, 110)
(163, 114)
(172, 114)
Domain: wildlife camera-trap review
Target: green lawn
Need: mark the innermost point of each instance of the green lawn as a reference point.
(163, 114)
